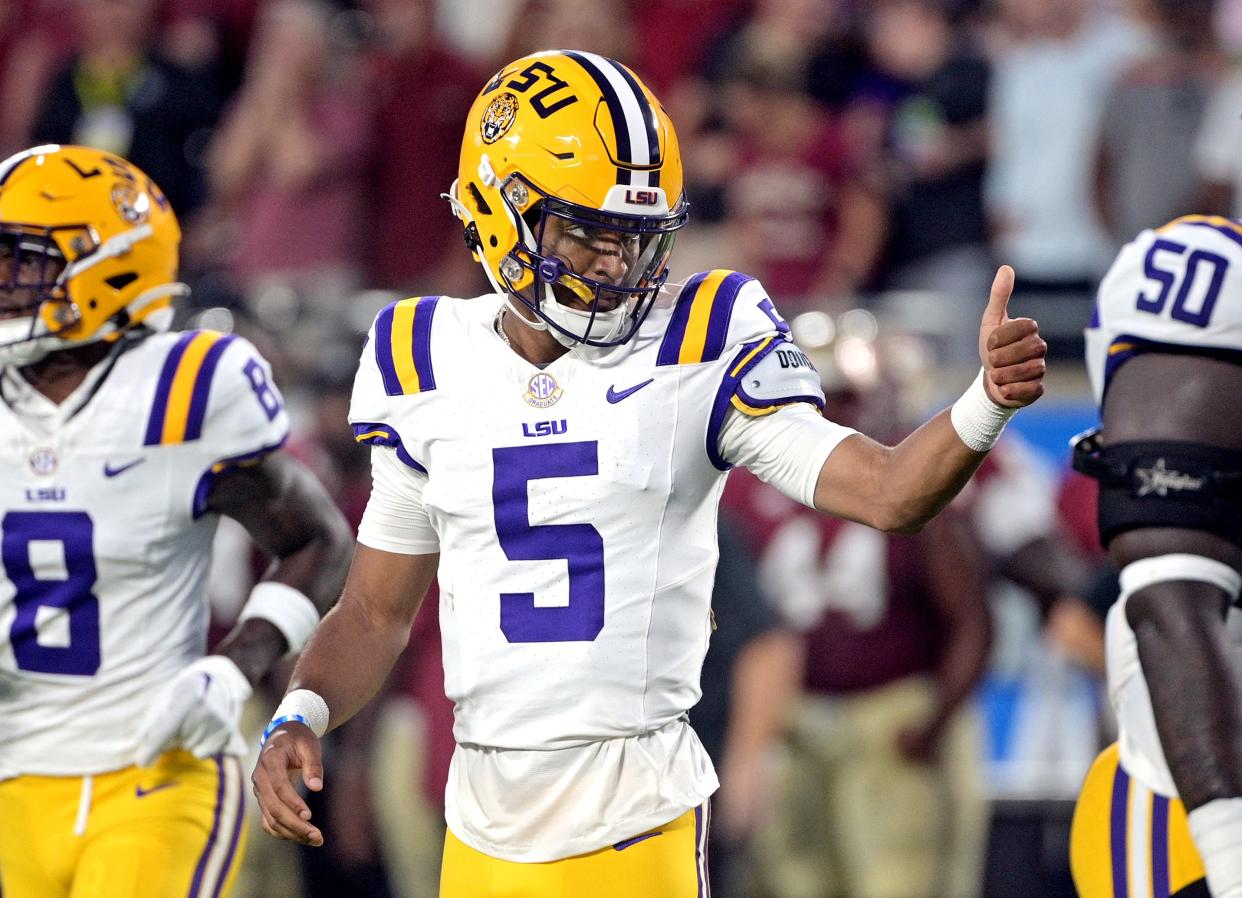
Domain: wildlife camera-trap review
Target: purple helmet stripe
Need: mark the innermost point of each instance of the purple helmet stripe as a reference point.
(649, 120)
(159, 408)
(616, 111)
(202, 388)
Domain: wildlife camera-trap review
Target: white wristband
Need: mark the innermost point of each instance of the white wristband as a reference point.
(291, 612)
(1217, 831)
(305, 704)
(977, 419)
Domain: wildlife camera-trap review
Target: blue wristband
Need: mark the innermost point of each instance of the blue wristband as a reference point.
(288, 718)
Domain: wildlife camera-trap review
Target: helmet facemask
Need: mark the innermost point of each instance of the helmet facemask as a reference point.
(557, 236)
(33, 268)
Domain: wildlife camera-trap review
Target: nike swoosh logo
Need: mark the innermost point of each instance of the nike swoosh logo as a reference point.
(110, 471)
(615, 396)
(143, 793)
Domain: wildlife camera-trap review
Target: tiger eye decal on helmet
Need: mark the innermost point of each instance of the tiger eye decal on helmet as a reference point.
(89, 246)
(583, 149)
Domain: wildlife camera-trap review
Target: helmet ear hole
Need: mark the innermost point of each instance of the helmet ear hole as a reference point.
(121, 281)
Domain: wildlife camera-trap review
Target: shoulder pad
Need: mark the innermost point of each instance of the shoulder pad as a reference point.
(402, 344)
(765, 375)
(705, 317)
(1187, 224)
(180, 405)
(773, 375)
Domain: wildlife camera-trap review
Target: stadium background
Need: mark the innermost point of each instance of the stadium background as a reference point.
(870, 160)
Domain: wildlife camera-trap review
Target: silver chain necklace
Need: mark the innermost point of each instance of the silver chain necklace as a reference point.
(500, 327)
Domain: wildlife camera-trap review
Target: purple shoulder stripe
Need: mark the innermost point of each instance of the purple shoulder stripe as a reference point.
(202, 387)
(675, 334)
(155, 423)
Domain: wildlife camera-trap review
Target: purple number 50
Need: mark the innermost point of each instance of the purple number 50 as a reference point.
(69, 594)
(580, 545)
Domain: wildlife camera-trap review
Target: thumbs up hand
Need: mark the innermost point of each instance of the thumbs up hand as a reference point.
(1011, 349)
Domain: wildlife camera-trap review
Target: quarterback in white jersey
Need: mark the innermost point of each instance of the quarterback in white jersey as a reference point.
(122, 446)
(557, 450)
(1161, 811)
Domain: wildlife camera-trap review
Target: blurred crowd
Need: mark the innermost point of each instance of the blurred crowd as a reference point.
(870, 161)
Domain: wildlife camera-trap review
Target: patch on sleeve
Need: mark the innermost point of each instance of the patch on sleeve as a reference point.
(403, 346)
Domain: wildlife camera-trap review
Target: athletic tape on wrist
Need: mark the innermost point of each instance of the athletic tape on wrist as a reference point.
(1217, 831)
(287, 609)
(304, 706)
(977, 419)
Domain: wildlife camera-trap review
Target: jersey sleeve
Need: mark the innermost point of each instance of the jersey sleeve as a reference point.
(395, 362)
(726, 316)
(215, 399)
(395, 519)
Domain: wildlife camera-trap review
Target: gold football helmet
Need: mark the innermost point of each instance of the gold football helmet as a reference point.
(88, 249)
(573, 143)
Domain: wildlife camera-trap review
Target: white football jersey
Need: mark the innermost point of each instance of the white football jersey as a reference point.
(575, 509)
(105, 538)
(1176, 288)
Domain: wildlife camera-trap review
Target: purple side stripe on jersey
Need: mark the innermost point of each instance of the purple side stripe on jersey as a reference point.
(422, 343)
(202, 490)
(215, 829)
(234, 839)
(1159, 847)
(1117, 832)
(155, 425)
(675, 334)
(722, 314)
(202, 388)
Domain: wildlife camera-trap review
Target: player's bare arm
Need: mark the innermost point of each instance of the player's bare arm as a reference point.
(900, 488)
(372, 621)
(1184, 650)
(291, 517)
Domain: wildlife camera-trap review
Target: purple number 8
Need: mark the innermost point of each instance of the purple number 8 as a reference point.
(580, 545)
(74, 530)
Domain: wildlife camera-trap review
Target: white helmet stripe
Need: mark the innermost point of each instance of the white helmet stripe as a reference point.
(8, 166)
(632, 124)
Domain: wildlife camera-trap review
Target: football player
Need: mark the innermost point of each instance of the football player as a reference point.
(1164, 351)
(122, 444)
(556, 451)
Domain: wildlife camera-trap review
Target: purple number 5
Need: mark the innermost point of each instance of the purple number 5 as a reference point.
(71, 593)
(580, 545)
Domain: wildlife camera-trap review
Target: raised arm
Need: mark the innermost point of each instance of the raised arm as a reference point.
(899, 489)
